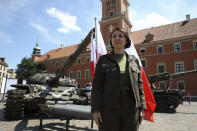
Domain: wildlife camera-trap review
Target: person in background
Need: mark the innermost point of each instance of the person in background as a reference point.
(189, 97)
(89, 87)
(118, 100)
(88, 93)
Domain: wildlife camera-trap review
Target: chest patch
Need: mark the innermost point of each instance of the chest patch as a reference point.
(108, 67)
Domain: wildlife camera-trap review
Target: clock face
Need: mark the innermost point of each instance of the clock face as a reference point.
(111, 5)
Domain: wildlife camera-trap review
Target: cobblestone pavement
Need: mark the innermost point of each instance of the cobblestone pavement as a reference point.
(185, 119)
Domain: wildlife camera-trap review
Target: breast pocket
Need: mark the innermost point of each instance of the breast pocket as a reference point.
(135, 71)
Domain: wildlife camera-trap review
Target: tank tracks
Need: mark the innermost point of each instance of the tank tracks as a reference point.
(15, 105)
(167, 102)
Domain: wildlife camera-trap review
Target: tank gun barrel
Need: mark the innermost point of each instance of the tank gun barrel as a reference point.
(183, 73)
(168, 76)
(158, 77)
(71, 59)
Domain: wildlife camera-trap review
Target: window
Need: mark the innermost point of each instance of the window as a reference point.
(144, 63)
(180, 85)
(111, 13)
(87, 59)
(177, 47)
(149, 37)
(56, 63)
(142, 50)
(71, 74)
(78, 74)
(162, 85)
(86, 85)
(87, 73)
(179, 67)
(161, 68)
(63, 61)
(195, 45)
(50, 64)
(160, 49)
(195, 64)
(78, 60)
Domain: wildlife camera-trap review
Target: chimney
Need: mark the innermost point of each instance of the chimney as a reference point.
(62, 45)
(188, 17)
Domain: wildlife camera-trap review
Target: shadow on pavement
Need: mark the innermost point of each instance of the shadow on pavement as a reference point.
(57, 127)
(1, 115)
(21, 125)
(187, 113)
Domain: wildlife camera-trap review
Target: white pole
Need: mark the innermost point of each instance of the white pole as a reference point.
(96, 40)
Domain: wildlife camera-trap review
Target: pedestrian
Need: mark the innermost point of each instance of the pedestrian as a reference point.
(189, 97)
(118, 100)
(88, 93)
(89, 87)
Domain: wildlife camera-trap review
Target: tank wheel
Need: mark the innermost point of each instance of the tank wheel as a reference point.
(162, 106)
(173, 102)
(14, 107)
(81, 101)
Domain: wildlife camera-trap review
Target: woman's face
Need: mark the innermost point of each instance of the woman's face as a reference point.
(118, 40)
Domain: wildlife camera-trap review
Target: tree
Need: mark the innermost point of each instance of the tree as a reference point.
(26, 68)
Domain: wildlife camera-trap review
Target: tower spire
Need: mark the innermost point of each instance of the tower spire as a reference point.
(36, 49)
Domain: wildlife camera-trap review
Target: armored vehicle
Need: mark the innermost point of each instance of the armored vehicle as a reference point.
(45, 88)
(167, 99)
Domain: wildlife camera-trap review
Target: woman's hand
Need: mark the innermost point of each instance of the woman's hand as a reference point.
(97, 118)
(141, 116)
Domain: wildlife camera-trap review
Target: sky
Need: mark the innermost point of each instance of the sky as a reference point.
(51, 23)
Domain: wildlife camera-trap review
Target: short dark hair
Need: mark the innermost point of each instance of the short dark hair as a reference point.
(128, 44)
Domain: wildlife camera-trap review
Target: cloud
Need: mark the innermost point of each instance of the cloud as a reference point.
(67, 21)
(40, 28)
(150, 20)
(44, 32)
(5, 38)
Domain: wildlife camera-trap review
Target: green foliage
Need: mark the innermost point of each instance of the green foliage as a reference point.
(26, 68)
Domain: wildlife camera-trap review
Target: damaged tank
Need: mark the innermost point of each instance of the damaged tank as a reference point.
(45, 88)
(167, 99)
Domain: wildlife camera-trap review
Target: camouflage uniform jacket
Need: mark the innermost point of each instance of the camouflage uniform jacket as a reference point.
(106, 83)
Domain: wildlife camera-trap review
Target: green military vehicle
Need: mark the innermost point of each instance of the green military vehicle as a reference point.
(167, 99)
(45, 88)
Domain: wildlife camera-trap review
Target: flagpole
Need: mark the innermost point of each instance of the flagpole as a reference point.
(96, 40)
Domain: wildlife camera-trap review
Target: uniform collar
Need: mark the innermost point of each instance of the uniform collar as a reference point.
(130, 58)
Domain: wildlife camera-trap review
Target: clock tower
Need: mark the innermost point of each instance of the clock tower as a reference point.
(114, 14)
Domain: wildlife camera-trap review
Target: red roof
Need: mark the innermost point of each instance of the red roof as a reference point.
(165, 32)
(58, 53)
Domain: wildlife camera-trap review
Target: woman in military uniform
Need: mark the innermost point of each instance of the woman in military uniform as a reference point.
(117, 95)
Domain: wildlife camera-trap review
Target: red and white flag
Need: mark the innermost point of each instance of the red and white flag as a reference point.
(97, 47)
(150, 101)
